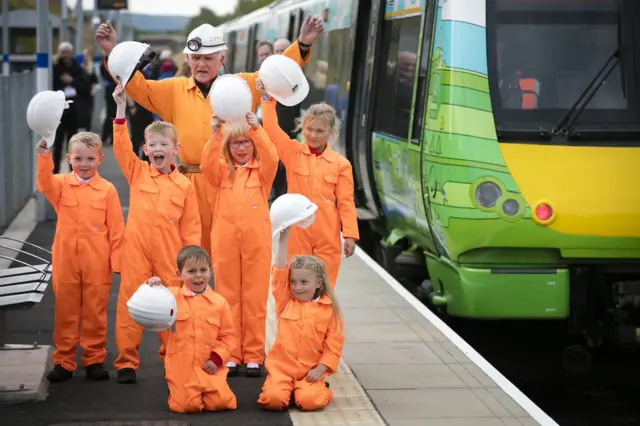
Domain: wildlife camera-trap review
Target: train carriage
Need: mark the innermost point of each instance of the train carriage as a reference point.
(495, 145)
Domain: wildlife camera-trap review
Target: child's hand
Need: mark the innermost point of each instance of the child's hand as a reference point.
(154, 282)
(285, 233)
(210, 367)
(119, 95)
(42, 147)
(349, 247)
(252, 121)
(216, 125)
(316, 373)
(260, 88)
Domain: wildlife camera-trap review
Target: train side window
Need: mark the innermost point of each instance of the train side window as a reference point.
(395, 84)
(423, 78)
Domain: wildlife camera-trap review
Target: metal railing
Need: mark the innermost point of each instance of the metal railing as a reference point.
(17, 145)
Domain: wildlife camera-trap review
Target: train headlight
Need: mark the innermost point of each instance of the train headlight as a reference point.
(543, 213)
(510, 207)
(487, 194)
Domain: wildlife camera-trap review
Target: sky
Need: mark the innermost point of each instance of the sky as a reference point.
(170, 7)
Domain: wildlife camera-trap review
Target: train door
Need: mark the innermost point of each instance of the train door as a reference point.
(396, 156)
(366, 44)
(291, 29)
(231, 51)
(251, 49)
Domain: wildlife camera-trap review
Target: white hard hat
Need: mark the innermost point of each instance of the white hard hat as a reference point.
(230, 98)
(128, 57)
(153, 307)
(284, 80)
(45, 112)
(204, 40)
(291, 209)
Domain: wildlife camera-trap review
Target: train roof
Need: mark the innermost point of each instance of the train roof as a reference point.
(258, 14)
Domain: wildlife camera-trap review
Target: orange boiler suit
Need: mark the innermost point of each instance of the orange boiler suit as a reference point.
(180, 102)
(308, 335)
(163, 218)
(203, 331)
(327, 180)
(241, 240)
(86, 250)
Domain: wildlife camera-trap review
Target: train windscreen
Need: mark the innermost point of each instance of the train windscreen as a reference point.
(550, 60)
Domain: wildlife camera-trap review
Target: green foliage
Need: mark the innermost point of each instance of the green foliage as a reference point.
(207, 16)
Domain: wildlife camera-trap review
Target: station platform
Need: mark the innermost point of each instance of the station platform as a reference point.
(401, 366)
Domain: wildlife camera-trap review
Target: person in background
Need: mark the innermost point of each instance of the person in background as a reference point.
(85, 113)
(264, 50)
(73, 80)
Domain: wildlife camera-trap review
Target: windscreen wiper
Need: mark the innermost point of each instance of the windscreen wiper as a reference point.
(561, 128)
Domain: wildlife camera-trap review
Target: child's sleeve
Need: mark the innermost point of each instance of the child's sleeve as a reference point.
(285, 146)
(47, 183)
(211, 165)
(280, 287)
(128, 161)
(346, 204)
(190, 226)
(227, 336)
(115, 228)
(268, 156)
(333, 344)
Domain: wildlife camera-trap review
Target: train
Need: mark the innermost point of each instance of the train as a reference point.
(495, 146)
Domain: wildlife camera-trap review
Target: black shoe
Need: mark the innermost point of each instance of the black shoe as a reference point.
(327, 385)
(97, 372)
(233, 371)
(59, 374)
(253, 372)
(127, 376)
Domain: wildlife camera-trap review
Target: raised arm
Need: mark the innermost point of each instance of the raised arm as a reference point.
(280, 273)
(285, 146)
(296, 51)
(127, 159)
(154, 96)
(47, 183)
(268, 156)
(212, 165)
(346, 204)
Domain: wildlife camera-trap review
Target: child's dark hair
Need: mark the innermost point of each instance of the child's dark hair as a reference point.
(195, 253)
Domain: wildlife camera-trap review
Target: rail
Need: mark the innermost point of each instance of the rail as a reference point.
(17, 146)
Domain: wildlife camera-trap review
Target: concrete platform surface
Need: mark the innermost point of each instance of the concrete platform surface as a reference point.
(23, 373)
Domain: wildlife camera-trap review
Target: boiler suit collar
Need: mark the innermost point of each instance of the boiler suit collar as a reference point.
(326, 155)
(324, 299)
(95, 182)
(251, 164)
(208, 293)
(174, 175)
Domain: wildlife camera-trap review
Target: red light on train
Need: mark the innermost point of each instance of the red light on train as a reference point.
(544, 212)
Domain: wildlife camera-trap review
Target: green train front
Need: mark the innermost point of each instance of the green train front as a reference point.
(518, 212)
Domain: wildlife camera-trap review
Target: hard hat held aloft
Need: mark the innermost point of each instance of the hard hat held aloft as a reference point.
(230, 98)
(284, 80)
(289, 210)
(45, 112)
(128, 57)
(153, 307)
(204, 40)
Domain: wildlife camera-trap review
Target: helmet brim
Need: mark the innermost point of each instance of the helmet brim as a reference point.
(205, 50)
(294, 98)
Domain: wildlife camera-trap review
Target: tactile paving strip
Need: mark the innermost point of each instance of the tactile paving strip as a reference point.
(350, 405)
